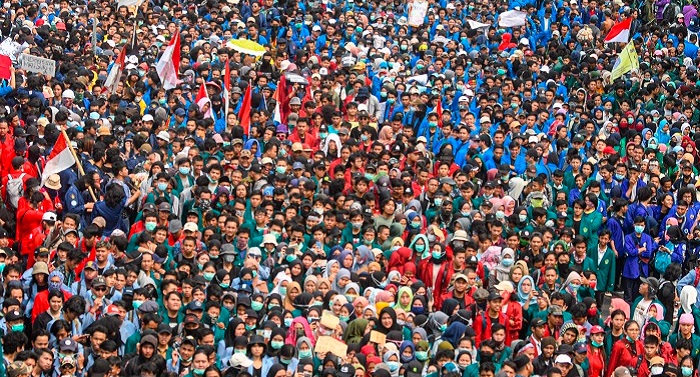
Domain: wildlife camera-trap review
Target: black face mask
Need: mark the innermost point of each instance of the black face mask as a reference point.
(485, 357)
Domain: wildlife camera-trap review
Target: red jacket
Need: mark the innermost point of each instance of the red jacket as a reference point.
(624, 354)
(482, 326)
(41, 302)
(514, 313)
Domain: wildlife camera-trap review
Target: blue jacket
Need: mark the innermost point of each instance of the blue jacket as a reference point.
(634, 266)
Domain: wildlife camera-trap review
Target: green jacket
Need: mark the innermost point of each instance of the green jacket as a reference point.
(590, 224)
(605, 270)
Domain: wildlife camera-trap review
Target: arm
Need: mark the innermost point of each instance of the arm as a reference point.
(685, 280)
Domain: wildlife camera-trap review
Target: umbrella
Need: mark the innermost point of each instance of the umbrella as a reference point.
(245, 46)
(297, 79)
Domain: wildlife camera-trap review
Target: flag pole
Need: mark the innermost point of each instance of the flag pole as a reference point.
(77, 161)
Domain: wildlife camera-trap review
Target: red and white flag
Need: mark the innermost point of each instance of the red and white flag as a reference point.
(115, 73)
(168, 65)
(244, 112)
(59, 160)
(227, 88)
(438, 110)
(620, 32)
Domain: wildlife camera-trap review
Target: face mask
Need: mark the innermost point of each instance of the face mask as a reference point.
(184, 170)
(283, 361)
(283, 291)
(443, 327)
(288, 321)
(198, 371)
(596, 344)
(305, 354)
(229, 258)
(687, 371)
(500, 215)
(629, 339)
(250, 327)
(507, 262)
(363, 137)
(656, 370)
(290, 258)
(422, 355)
(432, 124)
(150, 226)
(420, 248)
(383, 94)
(344, 318)
(281, 169)
(638, 229)
(369, 176)
(18, 327)
(438, 201)
(431, 237)
(200, 266)
(619, 177)
(323, 135)
(404, 47)
(522, 218)
(393, 365)
(275, 344)
(256, 305)
(390, 101)
(242, 352)
(416, 225)
(574, 287)
(437, 254)
(52, 286)
(357, 225)
(136, 304)
(224, 285)
(486, 357)
(417, 310)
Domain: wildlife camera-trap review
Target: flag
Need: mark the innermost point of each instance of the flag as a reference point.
(227, 89)
(438, 110)
(244, 113)
(129, 3)
(511, 18)
(59, 160)
(168, 65)
(620, 32)
(115, 73)
(5, 64)
(204, 94)
(282, 99)
(626, 61)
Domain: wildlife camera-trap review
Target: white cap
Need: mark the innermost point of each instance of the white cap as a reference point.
(147, 118)
(164, 135)
(524, 41)
(68, 94)
(49, 216)
(316, 28)
(563, 359)
(239, 360)
(463, 99)
(133, 59)
(533, 139)
(190, 227)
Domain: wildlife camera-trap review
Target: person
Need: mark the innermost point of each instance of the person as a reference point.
(626, 351)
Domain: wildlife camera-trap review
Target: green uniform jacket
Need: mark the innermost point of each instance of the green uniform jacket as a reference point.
(590, 224)
(605, 270)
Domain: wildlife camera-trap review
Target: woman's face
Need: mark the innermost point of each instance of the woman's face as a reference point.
(387, 321)
(200, 361)
(499, 336)
(526, 286)
(633, 330)
(516, 275)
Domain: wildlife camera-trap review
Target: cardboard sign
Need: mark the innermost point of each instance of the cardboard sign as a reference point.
(36, 64)
(377, 337)
(332, 345)
(329, 320)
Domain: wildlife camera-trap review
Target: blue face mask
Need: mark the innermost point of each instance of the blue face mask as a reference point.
(393, 365)
(290, 258)
(305, 354)
(420, 248)
(208, 276)
(418, 310)
(437, 254)
(256, 305)
(507, 262)
(162, 186)
(288, 321)
(275, 344)
(184, 170)
(638, 229)
(19, 327)
(136, 304)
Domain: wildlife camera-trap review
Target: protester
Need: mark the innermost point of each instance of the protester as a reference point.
(355, 188)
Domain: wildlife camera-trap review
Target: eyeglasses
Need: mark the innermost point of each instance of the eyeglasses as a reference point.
(100, 289)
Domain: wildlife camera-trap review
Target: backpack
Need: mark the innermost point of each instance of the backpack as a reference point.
(662, 261)
(15, 190)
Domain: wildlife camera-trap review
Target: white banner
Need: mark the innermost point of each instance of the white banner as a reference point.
(37, 64)
(512, 18)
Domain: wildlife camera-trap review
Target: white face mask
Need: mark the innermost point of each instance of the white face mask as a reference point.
(656, 370)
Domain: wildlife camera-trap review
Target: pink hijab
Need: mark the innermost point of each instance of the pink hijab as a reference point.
(507, 200)
(292, 335)
(618, 303)
(497, 203)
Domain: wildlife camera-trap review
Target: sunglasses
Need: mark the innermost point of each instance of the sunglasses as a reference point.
(100, 289)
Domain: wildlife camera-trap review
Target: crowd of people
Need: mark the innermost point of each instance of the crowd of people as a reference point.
(285, 188)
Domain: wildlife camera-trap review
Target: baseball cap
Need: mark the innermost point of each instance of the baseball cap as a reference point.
(99, 281)
(68, 344)
(562, 359)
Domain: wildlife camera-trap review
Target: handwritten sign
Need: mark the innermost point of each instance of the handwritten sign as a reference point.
(329, 321)
(332, 345)
(377, 337)
(37, 64)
